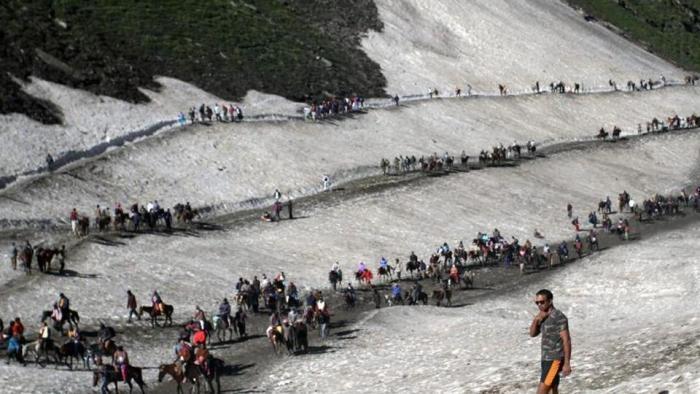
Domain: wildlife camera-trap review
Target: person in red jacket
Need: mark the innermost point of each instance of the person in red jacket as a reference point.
(74, 221)
(18, 328)
(199, 338)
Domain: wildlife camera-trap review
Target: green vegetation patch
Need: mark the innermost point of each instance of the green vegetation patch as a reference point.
(669, 28)
(293, 48)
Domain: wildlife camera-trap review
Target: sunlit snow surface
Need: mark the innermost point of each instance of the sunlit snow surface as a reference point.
(633, 313)
(201, 269)
(89, 119)
(233, 165)
(451, 43)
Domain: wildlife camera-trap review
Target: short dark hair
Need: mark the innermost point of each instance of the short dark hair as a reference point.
(546, 293)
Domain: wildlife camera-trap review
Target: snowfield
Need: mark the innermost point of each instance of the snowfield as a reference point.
(454, 43)
(201, 268)
(633, 316)
(90, 119)
(230, 166)
(633, 310)
(425, 44)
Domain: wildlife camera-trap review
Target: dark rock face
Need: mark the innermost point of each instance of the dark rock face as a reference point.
(294, 48)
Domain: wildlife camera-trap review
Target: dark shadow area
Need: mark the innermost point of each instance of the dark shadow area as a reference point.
(73, 274)
(106, 241)
(236, 369)
(321, 349)
(346, 332)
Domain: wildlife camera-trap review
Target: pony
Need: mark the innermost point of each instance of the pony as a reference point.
(386, 273)
(276, 336)
(114, 376)
(153, 313)
(49, 352)
(44, 257)
(73, 350)
(221, 326)
(298, 338)
(412, 265)
(443, 294)
(83, 226)
(72, 318)
(180, 374)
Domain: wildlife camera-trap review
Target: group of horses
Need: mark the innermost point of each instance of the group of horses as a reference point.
(292, 336)
(44, 257)
(46, 351)
(499, 154)
(189, 372)
(135, 217)
(603, 135)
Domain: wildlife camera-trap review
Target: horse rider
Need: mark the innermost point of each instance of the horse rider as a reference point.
(75, 338)
(199, 338)
(351, 290)
(239, 285)
(105, 334)
(44, 336)
(157, 303)
(225, 312)
(361, 267)
(121, 362)
(384, 264)
(199, 316)
(201, 359)
(57, 315)
(182, 350)
(292, 294)
(64, 304)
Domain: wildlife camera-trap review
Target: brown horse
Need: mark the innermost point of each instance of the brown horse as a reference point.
(153, 313)
(83, 226)
(385, 273)
(442, 294)
(114, 376)
(107, 348)
(69, 351)
(44, 257)
(103, 222)
(179, 374)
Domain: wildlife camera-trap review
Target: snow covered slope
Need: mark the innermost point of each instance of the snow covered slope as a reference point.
(241, 165)
(633, 316)
(90, 119)
(424, 44)
(193, 270)
(442, 44)
(391, 223)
